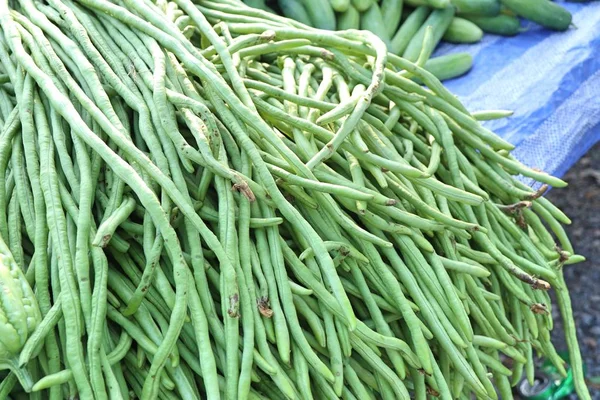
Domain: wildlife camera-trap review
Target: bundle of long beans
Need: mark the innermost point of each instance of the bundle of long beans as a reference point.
(211, 201)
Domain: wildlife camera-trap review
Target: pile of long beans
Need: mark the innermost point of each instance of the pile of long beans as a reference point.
(401, 24)
(211, 201)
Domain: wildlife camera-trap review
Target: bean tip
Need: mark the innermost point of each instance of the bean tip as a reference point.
(431, 391)
(264, 307)
(234, 302)
(245, 190)
(540, 284)
(540, 192)
(539, 308)
(268, 35)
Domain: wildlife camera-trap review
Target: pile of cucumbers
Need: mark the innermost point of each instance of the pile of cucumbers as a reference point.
(402, 24)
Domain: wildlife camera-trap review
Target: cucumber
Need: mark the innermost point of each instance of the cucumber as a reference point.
(462, 31)
(340, 5)
(505, 25)
(478, 7)
(449, 66)
(392, 12)
(321, 14)
(429, 3)
(408, 29)
(439, 20)
(260, 4)
(350, 19)
(543, 12)
(362, 5)
(372, 20)
(294, 9)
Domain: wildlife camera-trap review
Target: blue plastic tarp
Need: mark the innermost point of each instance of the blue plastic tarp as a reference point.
(551, 80)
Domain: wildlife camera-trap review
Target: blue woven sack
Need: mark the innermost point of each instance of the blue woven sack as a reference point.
(551, 80)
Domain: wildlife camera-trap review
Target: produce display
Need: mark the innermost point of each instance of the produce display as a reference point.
(203, 200)
(401, 24)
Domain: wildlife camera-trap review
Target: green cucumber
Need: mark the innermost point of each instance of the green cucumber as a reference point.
(408, 29)
(349, 19)
(321, 14)
(439, 20)
(449, 66)
(477, 7)
(462, 31)
(429, 3)
(543, 12)
(340, 5)
(362, 5)
(260, 4)
(294, 9)
(392, 13)
(505, 25)
(372, 20)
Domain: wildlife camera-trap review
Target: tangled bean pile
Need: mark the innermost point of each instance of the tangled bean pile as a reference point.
(211, 201)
